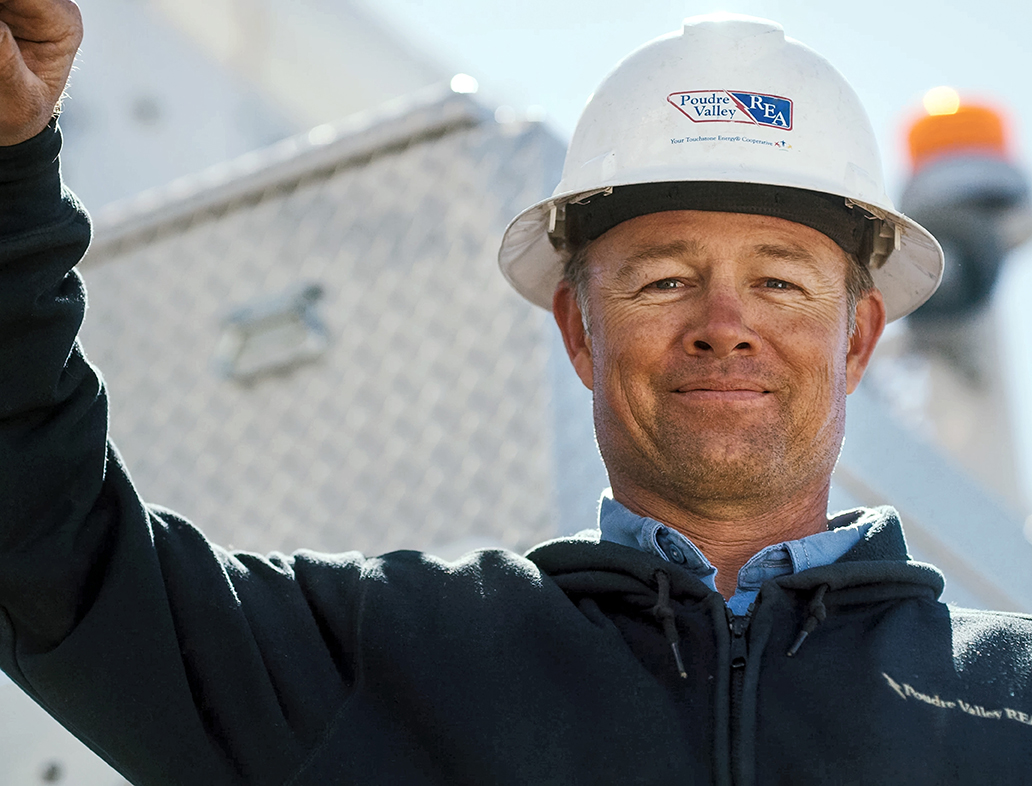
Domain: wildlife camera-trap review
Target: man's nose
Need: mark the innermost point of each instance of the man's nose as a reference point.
(719, 327)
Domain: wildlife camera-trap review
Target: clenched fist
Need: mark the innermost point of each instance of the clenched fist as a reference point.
(38, 42)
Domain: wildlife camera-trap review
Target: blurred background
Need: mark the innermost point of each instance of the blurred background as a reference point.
(296, 307)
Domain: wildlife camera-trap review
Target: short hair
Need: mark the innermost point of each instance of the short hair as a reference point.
(859, 282)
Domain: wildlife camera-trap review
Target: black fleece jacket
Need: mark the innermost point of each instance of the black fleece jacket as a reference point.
(182, 663)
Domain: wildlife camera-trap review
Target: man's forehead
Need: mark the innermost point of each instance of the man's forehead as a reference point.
(690, 249)
(698, 235)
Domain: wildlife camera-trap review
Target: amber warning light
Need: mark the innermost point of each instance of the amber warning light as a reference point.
(952, 126)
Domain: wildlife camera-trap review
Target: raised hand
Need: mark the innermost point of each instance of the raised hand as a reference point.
(38, 42)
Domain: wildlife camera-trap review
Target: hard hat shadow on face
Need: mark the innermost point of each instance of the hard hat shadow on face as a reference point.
(726, 114)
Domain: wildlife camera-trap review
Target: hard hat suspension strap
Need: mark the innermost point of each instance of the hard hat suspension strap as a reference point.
(848, 225)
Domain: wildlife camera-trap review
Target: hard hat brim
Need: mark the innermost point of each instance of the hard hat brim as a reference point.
(534, 266)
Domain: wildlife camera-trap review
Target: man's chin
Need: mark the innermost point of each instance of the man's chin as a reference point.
(725, 470)
(726, 480)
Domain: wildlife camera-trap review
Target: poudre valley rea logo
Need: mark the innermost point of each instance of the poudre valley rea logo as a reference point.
(734, 106)
(908, 693)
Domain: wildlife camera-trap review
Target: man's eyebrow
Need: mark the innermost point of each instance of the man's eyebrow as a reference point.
(673, 250)
(790, 253)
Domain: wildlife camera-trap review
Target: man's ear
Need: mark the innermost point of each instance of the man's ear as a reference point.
(571, 324)
(870, 322)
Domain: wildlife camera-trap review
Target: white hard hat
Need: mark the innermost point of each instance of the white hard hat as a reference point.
(728, 115)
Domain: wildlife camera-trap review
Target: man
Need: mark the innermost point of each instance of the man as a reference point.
(720, 301)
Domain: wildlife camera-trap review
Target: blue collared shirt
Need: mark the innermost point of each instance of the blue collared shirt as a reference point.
(620, 525)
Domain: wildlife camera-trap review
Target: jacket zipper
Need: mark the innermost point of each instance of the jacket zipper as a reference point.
(738, 625)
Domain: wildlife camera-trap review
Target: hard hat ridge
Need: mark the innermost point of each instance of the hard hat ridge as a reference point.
(752, 34)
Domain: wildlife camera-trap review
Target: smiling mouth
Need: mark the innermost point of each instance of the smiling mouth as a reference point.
(727, 391)
(735, 394)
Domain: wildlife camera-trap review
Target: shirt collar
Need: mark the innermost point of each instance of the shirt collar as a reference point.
(620, 525)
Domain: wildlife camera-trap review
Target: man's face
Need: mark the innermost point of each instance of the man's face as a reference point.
(718, 354)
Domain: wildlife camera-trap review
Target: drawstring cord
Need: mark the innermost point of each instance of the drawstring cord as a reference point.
(665, 614)
(816, 614)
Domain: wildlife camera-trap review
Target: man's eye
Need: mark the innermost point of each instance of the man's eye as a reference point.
(777, 283)
(665, 284)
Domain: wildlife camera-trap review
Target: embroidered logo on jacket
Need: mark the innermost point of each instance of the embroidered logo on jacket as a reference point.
(906, 692)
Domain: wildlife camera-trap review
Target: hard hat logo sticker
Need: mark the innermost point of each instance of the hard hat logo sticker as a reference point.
(734, 106)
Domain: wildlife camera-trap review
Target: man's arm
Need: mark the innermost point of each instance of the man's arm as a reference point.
(47, 392)
(177, 662)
